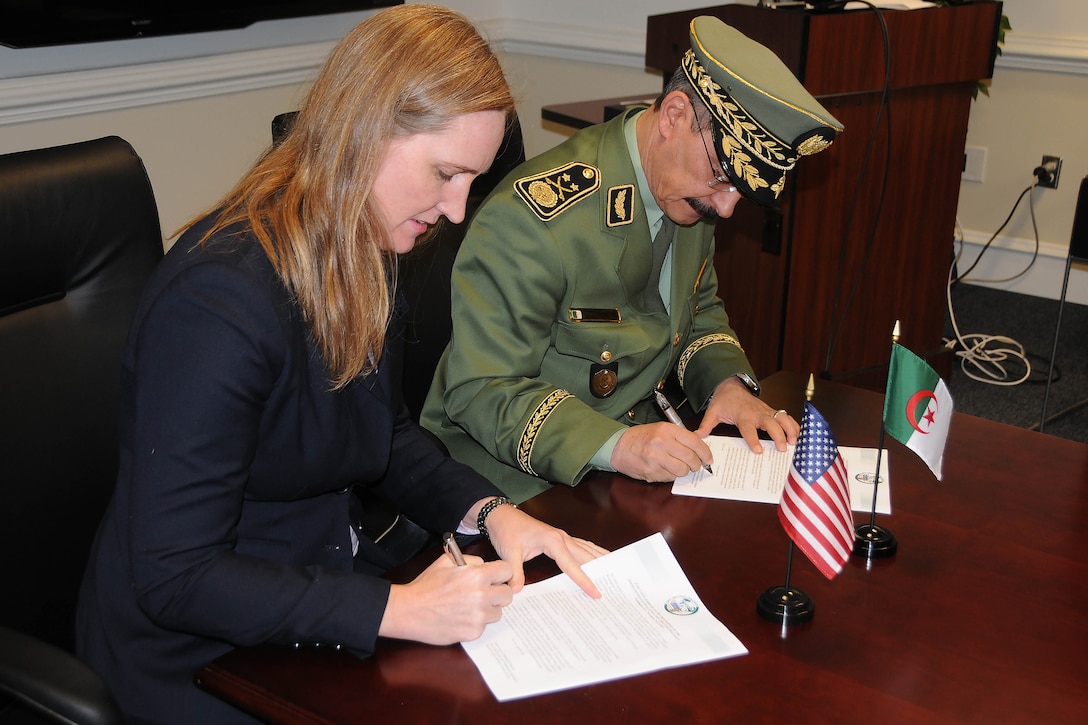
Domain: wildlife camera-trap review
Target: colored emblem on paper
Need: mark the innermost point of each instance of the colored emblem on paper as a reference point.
(681, 605)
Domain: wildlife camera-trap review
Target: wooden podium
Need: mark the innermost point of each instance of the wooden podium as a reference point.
(865, 231)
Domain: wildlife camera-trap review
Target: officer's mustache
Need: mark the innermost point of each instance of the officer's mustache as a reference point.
(702, 208)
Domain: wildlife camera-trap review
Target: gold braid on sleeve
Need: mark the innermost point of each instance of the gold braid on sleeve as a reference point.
(697, 345)
(532, 428)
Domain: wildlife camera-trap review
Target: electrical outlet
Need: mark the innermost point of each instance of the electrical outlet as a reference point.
(1051, 170)
(974, 164)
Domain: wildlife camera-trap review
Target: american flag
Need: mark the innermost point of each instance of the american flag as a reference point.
(815, 505)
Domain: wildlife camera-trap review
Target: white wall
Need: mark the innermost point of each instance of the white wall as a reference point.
(197, 108)
(1038, 105)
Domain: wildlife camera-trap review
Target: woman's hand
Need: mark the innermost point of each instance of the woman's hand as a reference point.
(447, 603)
(518, 537)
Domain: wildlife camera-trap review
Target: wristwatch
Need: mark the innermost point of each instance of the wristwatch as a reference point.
(750, 383)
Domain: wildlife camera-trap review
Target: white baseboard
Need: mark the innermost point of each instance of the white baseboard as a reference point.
(1006, 265)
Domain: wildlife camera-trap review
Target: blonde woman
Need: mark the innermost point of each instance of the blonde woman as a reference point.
(262, 384)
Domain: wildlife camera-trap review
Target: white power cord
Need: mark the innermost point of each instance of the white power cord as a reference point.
(979, 358)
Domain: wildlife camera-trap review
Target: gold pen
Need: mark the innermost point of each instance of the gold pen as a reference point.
(670, 413)
(451, 547)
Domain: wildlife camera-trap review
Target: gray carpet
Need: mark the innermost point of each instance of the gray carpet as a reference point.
(1031, 322)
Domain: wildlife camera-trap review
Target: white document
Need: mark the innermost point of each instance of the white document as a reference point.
(554, 636)
(740, 475)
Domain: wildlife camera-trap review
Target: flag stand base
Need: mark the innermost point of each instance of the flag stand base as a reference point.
(874, 542)
(784, 605)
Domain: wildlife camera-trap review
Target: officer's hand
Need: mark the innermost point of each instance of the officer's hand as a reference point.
(659, 452)
(734, 404)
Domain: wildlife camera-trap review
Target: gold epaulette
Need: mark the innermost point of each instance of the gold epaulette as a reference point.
(555, 191)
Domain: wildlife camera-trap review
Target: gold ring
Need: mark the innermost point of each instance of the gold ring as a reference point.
(775, 416)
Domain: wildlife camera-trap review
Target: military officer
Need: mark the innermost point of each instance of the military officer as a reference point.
(587, 279)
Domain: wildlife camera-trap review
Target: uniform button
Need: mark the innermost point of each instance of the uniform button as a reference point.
(606, 356)
(631, 414)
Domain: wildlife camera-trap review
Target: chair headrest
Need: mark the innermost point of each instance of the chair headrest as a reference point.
(73, 221)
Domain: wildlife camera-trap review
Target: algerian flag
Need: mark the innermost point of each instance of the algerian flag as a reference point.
(917, 407)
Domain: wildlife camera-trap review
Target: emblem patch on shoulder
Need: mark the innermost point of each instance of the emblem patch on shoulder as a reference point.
(620, 204)
(555, 191)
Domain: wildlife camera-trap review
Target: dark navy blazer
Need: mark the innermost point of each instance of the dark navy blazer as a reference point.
(229, 523)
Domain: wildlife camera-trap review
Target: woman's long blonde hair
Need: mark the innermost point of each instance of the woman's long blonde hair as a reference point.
(405, 70)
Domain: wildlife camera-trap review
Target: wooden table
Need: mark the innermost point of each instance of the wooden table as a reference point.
(980, 617)
(581, 114)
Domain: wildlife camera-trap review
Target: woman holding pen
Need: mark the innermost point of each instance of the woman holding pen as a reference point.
(261, 384)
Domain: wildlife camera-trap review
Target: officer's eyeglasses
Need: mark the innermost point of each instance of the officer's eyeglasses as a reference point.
(718, 179)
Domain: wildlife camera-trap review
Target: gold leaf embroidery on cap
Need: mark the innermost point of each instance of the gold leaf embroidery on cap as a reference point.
(689, 352)
(550, 193)
(778, 186)
(752, 136)
(536, 422)
(741, 166)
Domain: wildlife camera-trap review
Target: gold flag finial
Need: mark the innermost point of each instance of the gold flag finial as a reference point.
(895, 332)
(810, 389)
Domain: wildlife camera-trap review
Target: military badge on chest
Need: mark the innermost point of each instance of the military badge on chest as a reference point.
(603, 379)
(604, 376)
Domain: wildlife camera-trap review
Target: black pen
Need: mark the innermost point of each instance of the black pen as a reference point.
(453, 549)
(670, 413)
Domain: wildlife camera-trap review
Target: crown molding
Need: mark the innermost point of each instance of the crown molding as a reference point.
(569, 41)
(40, 97)
(1045, 53)
(56, 95)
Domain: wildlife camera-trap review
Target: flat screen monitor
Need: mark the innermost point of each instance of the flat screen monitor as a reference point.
(39, 23)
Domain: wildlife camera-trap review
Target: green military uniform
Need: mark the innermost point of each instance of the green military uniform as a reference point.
(553, 349)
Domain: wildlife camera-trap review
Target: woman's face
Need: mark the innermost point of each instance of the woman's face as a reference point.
(427, 175)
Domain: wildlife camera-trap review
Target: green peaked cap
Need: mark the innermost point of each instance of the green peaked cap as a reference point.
(764, 118)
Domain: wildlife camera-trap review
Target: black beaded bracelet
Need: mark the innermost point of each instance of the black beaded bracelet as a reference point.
(486, 510)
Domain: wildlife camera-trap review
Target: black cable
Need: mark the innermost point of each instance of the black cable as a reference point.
(999, 230)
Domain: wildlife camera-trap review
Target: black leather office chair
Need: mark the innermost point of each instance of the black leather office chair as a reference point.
(425, 271)
(79, 235)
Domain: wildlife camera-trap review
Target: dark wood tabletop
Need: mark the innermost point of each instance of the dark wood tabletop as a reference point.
(979, 617)
(581, 114)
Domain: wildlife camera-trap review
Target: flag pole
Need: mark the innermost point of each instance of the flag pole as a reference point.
(783, 604)
(870, 540)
